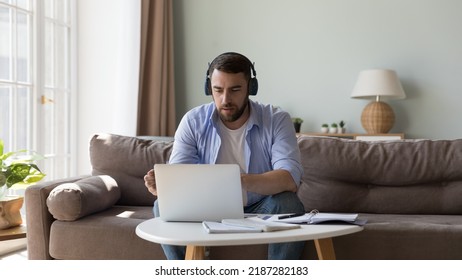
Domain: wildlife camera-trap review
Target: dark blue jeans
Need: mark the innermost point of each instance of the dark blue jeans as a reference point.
(285, 202)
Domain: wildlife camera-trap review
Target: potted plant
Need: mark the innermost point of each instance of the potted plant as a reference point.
(333, 128)
(18, 168)
(324, 128)
(342, 128)
(297, 124)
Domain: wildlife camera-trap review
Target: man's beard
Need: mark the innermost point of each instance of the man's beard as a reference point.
(234, 117)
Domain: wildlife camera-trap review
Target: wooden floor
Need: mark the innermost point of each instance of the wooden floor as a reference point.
(20, 255)
(13, 249)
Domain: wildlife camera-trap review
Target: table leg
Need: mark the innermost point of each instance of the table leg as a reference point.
(195, 252)
(325, 249)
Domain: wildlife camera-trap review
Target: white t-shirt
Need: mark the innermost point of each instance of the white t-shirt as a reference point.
(232, 146)
(232, 149)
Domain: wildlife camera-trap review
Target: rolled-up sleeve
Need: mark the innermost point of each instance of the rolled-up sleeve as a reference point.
(285, 151)
(273, 143)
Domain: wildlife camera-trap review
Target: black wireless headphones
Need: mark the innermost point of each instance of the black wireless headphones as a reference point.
(253, 82)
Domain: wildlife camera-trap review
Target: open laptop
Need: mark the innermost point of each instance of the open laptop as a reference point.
(199, 192)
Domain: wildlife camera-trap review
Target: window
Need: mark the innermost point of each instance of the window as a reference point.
(16, 89)
(36, 85)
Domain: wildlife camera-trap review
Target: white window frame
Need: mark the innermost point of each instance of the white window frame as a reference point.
(13, 79)
(69, 158)
(35, 109)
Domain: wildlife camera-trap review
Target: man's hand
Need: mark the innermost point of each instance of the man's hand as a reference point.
(269, 183)
(150, 182)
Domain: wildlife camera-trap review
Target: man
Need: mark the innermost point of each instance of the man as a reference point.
(234, 129)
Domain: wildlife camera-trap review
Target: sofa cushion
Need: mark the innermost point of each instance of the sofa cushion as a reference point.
(106, 235)
(392, 177)
(71, 201)
(127, 159)
(399, 237)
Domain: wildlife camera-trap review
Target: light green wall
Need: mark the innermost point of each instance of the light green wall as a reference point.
(308, 54)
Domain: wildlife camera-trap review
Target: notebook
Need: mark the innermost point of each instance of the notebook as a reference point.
(199, 192)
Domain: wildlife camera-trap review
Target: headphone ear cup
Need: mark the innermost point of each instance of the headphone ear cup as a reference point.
(207, 86)
(253, 86)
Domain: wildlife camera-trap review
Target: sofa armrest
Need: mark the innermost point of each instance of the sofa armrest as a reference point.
(39, 219)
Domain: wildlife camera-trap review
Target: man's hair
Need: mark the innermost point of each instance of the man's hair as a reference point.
(231, 62)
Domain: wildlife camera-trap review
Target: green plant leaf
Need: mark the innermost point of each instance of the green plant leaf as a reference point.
(20, 169)
(2, 179)
(34, 178)
(7, 155)
(297, 120)
(17, 173)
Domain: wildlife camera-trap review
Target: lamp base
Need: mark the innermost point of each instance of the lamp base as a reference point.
(377, 117)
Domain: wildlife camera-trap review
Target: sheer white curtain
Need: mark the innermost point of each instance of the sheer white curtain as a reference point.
(125, 113)
(108, 75)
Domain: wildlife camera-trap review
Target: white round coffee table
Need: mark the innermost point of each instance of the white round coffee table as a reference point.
(195, 238)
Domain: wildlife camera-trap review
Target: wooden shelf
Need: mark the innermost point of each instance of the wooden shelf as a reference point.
(377, 136)
(13, 233)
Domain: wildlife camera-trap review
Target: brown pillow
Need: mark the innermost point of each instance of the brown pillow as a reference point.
(71, 201)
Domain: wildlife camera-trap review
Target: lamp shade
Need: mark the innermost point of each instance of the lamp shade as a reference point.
(378, 83)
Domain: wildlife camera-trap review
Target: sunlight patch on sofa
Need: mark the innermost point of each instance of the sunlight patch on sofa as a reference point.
(125, 214)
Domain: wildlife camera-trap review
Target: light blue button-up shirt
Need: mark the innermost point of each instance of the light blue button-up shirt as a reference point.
(270, 138)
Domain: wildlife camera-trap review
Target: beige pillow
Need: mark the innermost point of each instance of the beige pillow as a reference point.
(71, 201)
(127, 159)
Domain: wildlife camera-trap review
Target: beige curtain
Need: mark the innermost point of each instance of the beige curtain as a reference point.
(156, 104)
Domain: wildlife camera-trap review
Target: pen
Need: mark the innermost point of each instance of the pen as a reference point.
(290, 216)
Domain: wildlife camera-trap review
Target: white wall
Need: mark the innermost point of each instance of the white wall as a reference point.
(108, 61)
(308, 54)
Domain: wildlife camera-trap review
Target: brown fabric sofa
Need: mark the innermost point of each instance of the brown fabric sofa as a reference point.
(409, 190)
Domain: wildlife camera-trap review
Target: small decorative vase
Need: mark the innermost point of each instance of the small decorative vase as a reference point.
(10, 215)
(324, 129)
(333, 130)
(297, 127)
